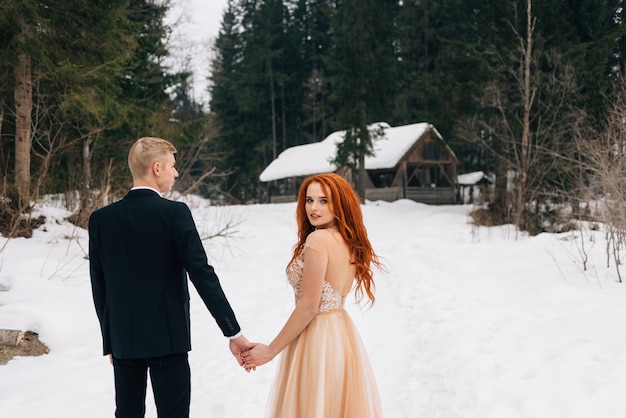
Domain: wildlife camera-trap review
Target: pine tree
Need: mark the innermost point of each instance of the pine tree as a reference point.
(586, 33)
(252, 86)
(313, 43)
(362, 62)
(97, 74)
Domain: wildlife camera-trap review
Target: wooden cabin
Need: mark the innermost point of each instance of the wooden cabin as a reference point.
(409, 162)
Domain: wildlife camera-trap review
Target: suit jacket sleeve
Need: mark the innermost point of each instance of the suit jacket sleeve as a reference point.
(98, 287)
(202, 275)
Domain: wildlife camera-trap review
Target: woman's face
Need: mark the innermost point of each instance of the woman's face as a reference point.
(317, 206)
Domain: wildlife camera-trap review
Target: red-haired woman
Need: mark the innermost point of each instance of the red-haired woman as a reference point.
(324, 370)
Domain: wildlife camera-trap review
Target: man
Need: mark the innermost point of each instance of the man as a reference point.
(141, 250)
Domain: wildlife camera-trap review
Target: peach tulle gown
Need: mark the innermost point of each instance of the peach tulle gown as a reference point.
(325, 372)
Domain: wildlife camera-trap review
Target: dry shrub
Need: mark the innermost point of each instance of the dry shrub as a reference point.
(482, 217)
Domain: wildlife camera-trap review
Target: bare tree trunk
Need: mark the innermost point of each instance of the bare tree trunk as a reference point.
(284, 115)
(2, 169)
(273, 98)
(1, 115)
(528, 97)
(500, 208)
(527, 132)
(85, 194)
(361, 176)
(87, 164)
(23, 110)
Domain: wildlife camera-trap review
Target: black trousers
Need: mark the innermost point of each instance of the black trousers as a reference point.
(171, 385)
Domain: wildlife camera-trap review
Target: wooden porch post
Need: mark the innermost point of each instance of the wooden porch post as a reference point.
(404, 179)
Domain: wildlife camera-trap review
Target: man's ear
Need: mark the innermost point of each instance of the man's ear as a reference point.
(156, 168)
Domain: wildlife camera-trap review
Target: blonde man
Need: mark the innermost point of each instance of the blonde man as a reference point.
(141, 251)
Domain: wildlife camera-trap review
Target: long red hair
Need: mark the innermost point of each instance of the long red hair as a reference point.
(346, 208)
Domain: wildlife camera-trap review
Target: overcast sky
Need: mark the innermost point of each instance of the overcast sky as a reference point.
(195, 25)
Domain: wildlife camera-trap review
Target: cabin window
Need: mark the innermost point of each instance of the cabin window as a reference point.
(432, 151)
(416, 176)
(382, 178)
(426, 176)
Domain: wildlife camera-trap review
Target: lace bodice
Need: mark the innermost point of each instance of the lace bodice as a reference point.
(331, 299)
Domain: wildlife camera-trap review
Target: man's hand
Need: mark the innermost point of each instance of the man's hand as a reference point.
(237, 346)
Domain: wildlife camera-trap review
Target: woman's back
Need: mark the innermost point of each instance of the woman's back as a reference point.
(337, 269)
(340, 270)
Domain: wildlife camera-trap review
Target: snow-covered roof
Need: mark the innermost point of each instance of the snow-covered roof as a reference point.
(309, 159)
(471, 178)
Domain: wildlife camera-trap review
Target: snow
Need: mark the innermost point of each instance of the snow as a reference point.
(469, 322)
(314, 158)
(396, 142)
(469, 179)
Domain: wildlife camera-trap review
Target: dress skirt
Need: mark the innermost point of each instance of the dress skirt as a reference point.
(325, 373)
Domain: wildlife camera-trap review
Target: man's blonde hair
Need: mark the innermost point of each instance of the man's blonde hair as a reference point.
(146, 151)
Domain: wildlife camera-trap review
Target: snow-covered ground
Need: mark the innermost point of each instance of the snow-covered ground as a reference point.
(468, 322)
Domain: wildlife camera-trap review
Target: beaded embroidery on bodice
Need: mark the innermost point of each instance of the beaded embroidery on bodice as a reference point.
(331, 299)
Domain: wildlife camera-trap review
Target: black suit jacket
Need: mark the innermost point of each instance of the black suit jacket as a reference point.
(140, 251)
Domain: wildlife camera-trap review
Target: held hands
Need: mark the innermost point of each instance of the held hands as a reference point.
(257, 355)
(238, 346)
(250, 355)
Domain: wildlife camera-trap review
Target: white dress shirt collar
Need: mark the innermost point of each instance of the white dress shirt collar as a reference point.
(147, 188)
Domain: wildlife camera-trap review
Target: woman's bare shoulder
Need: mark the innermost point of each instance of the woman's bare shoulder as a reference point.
(320, 238)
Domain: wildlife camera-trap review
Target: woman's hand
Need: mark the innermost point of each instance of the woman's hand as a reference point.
(258, 355)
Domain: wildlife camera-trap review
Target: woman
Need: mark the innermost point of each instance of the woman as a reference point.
(324, 370)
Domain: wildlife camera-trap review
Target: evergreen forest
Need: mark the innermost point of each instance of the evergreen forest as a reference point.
(526, 89)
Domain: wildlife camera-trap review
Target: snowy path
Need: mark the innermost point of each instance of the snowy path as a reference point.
(468, 322)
